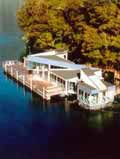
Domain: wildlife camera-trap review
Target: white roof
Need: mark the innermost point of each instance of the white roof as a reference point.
(64, 64)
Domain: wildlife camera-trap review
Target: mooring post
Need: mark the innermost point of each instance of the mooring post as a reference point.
(48, 75)
(23, 79)
(5, 66)
(17, 75)
(31, 84)
(43, 92)
(24, 62)
(11, 71)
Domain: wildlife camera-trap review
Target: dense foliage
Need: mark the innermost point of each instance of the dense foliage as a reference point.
(89, 29)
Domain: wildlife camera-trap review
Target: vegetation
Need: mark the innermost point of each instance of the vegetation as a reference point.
(90, 30)
(23, 54)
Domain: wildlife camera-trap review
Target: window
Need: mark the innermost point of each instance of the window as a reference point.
(55, 67)
(80, 92)
(64, 56)
(79, 75)
(72, 86)
(104, 93)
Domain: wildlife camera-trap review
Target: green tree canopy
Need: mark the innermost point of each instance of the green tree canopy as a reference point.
(90, 30)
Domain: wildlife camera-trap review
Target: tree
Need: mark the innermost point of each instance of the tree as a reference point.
(90, 30)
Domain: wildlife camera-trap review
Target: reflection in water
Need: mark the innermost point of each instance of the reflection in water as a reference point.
(56, 129)
(10, 36)
(67, 108)
(8, 15)
(99, 120)
(96, 121)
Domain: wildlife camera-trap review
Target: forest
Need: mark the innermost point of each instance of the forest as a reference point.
(88, 29)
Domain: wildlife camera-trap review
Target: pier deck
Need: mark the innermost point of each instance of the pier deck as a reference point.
(43, 88)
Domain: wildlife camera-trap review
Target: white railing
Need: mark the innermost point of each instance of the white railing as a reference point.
(106, 99)
(9, 62)
(93, 102)
(83, 100)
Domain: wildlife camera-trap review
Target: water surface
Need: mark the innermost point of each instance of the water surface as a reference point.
(11, 44)
(30, 128)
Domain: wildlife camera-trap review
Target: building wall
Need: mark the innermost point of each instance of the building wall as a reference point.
(98, 83)
(45, 53)
(75, 80)
(86, 79)
(100, 97)
(111, 92)
(99, 74)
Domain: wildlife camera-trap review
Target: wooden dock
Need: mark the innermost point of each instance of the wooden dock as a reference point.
(43, 88)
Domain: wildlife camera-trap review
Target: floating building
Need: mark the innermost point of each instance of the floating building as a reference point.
(66, 78)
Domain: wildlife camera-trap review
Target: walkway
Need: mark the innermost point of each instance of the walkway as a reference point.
(44, 88)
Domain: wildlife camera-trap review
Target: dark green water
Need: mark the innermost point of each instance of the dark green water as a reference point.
(33, 129)
(10, 36)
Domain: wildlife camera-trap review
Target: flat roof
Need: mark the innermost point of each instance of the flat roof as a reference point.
(56, 58)
(66, 74)
(61, 51)
(46, 61)
(88, 71)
